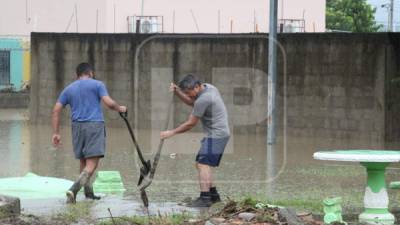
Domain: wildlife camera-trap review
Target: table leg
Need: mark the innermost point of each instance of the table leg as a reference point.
(376, 200)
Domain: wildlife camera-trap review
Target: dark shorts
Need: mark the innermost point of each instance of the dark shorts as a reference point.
(211, 151)
(88, 139)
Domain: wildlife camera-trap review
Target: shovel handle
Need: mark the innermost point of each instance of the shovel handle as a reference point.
(124, 114)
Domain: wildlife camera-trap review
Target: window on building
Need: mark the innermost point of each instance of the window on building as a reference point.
(4, 67)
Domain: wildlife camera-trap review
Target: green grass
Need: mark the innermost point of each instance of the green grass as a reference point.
(170, 219)
(298, 204)
(75, 212)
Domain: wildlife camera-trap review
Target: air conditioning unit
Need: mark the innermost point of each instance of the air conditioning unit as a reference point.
(291, 25)
(288, 28)
(145, 26)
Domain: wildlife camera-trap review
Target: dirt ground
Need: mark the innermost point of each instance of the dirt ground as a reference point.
(228, 213)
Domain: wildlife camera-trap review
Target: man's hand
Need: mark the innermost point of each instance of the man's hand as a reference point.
(55, 121)
(122, 109)
(173, 87)
(167, 134)
(178, 92)
(111, 104)
(56, 140)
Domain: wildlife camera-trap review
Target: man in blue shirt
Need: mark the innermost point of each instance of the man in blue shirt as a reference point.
(84, 96)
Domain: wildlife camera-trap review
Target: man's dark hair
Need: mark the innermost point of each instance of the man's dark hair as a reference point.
(188, 82)
(83, 68)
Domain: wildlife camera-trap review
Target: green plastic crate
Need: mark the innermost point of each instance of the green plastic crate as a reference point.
(108, 182)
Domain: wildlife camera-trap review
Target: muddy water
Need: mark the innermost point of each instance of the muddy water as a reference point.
(244, 171)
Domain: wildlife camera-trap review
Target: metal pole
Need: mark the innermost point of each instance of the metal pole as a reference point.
(271, 136)
(195, 21)
(114, 17)
(26, 12)
(271, 119)
(141, 13)
(391, 16)
(76, 17)
(97, 20)
(388, 21)
(173, 22)
(162, 24)
(254, 21)
(219, 21)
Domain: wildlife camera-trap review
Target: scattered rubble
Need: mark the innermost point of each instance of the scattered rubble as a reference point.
(245, 213)
(9, 206)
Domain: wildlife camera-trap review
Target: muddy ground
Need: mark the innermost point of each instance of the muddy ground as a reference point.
(230, 212)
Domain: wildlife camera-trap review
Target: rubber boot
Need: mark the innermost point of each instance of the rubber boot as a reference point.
(88, 189)
(74, 189)
(72, 192)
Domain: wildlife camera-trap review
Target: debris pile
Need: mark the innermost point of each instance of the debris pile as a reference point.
(259, 214)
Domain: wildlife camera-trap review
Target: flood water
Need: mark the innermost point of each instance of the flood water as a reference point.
(244, 170)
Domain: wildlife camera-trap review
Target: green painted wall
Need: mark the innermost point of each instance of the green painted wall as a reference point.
(16, 60)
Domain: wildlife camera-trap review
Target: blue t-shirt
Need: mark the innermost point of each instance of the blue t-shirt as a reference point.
(84, 97)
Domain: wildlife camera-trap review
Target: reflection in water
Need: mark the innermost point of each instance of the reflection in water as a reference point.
(14, 144)
(243, 169)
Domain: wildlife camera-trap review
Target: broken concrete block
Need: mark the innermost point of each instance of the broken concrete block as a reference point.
(290, 216)
(9, 206)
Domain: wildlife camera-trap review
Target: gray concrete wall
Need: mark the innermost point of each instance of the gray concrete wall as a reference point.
(330, 85)
(14, 100)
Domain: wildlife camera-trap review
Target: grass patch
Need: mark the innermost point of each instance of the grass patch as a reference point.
(168, 219)
(298, 204)
(74, 212)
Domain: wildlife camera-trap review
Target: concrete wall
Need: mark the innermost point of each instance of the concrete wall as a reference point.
(14, 100)
(330, 85)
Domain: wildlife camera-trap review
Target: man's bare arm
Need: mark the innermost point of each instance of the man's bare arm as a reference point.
(189, 124)
(178, 92)
(55, 121)
(55, 118)
(113, 105)
(186, 99)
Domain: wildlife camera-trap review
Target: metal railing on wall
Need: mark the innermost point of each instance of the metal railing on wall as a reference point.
(145, 24)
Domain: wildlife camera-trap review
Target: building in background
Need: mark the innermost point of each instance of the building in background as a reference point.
(14, 63)
(20, 17)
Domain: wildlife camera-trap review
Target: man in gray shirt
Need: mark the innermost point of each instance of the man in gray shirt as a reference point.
(208, 107)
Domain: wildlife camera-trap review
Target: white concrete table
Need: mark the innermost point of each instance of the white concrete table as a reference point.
(376, 200)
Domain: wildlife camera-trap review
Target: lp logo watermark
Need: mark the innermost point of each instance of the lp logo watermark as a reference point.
(245, 94)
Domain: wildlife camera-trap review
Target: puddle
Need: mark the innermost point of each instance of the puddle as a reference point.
(119, 206)
(243, 171)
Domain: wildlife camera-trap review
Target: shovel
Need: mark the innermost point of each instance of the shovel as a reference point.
(147, 170)
(146, 165)
(148, 178)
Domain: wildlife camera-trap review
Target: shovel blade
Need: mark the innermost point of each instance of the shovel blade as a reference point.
(145, 182)
(145, 200)
(144, 172)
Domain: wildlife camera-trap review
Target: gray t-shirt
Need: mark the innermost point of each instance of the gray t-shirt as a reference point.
(210, 108)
